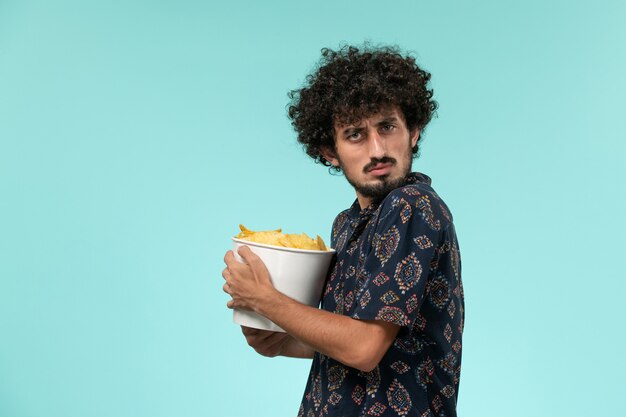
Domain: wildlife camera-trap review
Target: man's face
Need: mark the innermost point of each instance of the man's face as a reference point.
(375, 154)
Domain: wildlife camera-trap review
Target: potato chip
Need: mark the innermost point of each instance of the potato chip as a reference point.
(277, 238)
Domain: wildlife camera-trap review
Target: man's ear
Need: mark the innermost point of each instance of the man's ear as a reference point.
(330, 156)
(415, 135)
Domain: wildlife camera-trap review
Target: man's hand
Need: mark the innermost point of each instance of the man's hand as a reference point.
(272, 344)
(247, 283)
(265, 342)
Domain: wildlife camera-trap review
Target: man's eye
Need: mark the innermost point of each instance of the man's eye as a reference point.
(388, 128)
(354, 136)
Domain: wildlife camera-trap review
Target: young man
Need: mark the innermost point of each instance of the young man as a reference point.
(387, 340)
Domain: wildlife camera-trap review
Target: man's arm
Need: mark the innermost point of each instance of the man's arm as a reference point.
(360, 344)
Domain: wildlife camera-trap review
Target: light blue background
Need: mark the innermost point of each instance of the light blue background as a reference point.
(135, 136)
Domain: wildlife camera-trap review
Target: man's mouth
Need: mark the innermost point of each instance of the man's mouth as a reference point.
(381, 168)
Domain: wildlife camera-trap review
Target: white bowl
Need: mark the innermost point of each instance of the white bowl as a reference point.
(297, 273)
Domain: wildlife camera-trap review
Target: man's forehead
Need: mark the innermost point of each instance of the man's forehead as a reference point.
(382, 114)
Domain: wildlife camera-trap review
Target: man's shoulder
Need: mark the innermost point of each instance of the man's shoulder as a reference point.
(418, 197)
(411, 193)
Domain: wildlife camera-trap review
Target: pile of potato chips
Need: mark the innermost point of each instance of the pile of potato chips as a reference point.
(277, 238)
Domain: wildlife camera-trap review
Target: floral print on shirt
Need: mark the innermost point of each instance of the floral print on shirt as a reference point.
(397, 261)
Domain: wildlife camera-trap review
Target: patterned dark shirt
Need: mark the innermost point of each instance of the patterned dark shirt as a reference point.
(397, 261)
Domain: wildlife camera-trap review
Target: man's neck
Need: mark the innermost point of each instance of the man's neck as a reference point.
(364, 202)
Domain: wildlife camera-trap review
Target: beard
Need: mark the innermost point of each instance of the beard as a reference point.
(380, 189)
(383, 185)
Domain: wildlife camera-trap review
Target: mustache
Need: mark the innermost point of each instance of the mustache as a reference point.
(376, 161)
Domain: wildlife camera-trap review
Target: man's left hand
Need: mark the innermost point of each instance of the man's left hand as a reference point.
(247, 283)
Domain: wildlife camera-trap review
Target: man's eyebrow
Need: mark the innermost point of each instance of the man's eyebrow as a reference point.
(351, 129)
(388, 119)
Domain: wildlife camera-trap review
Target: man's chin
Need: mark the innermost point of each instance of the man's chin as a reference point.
(379, 188)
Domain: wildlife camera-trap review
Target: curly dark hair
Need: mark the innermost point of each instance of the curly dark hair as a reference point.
(352, 84)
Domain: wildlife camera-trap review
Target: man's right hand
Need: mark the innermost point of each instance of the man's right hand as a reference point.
(265, 342)
(272, 344)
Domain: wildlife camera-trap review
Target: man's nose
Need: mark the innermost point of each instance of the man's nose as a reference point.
(377, 146)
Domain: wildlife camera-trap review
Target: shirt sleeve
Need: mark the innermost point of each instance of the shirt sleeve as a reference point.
(397, 265)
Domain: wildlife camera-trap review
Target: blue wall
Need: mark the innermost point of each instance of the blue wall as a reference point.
(135, 136)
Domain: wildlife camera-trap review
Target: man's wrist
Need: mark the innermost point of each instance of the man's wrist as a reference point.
(267, 301)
